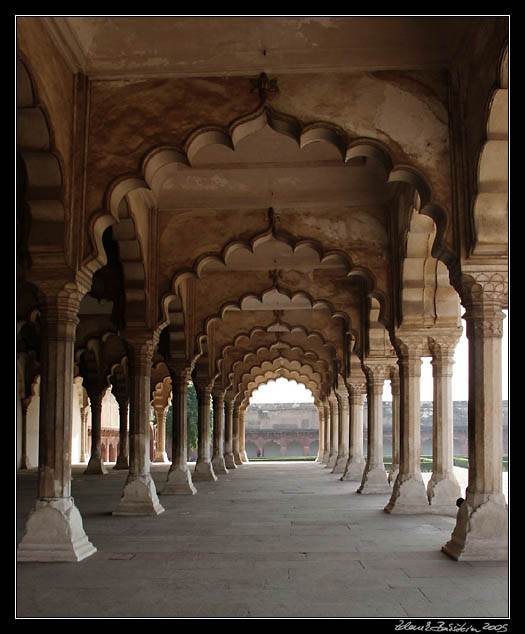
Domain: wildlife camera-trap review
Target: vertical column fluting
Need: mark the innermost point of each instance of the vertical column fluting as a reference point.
(443, 489)
(179, 479)
(334, 430)
(228, 432)
(217, 460)
(409, 494)
(122, 458)
(355, 465)
(344, 430)
(327, 424)
(203, 467)
(320, 413)
(481, 530)
(235, 435)
(394, 389)
(139, 496)
(96, 462)
(54, 530)
(375, 479)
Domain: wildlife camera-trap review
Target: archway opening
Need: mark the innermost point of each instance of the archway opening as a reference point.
(282, 422)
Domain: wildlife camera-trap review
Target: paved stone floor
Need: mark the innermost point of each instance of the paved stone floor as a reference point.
(268, 540)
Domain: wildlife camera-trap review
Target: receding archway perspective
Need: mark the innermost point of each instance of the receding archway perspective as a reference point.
(209, 208)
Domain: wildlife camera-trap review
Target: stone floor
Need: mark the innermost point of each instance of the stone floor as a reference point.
(268, 540)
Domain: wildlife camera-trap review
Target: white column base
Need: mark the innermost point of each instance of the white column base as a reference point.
(238, 460)
(481, 533)
(161, 456)
(96, 466)
(442, 493)
(354, 470)
(139, 497)
(244, 457)
(54, 532)
(219, 465)
(374, 480)
(408, 496)
(331, 461)
(340, 464)
(179, 482)
(230, 461)
(204, 471)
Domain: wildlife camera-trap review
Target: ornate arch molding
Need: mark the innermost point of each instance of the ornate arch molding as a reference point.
(265, 380)
(41, 214)
(244, 390)
(490, 204)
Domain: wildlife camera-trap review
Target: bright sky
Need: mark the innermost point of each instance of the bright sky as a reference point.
(284, 391)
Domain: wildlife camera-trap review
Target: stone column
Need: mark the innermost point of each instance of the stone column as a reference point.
(122, 458)
(235, 435)
(203, 467)
(320, 411)
(355, 465)
(344, 430)
(179, 479)
(217, 460)
(375, 479)
(96, 464)
(409, 494)
(481, 531)
(24, 460)
(327, 423)
(242, 435)
(443, 489)
(139, 496)
(334, 430)
(394, 388)
(160, 450)
(54, 530)
(228, 431)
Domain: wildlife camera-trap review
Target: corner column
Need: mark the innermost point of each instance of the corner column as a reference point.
(179, 480)
(481, 531)
(140, 495)
(54, 530)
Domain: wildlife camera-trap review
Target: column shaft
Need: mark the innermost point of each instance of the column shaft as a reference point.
(139, 496)
(219, 466)
(179, 479)
(355, 465)
(122, 458)
(203, 467)
(54, 530)
(375, 479)
(409, 494)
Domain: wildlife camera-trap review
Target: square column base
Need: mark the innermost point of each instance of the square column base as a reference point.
(179, 482)
(204, 471)
(408, 496)
(161, 456)
(139, 497)
(354, 470)
(340, 464)
(219, 465)
(96, 466)
(481, 533)
(443, 493)
(375, 480)
(54, 532)
(230, 461)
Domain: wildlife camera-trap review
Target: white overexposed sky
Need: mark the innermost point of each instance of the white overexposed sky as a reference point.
(283, 391)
